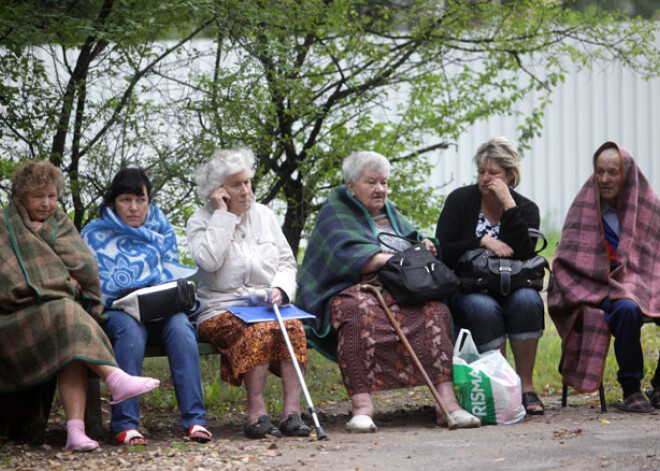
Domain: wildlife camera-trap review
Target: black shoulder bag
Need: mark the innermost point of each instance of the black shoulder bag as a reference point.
(415, 276)
(481, 271)
(153, 303)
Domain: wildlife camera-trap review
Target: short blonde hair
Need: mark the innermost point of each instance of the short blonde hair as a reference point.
(36, 174)
(224, 162)
(358, 162)
(503, 152)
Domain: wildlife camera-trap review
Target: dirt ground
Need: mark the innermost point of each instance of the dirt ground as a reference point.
(578, 437)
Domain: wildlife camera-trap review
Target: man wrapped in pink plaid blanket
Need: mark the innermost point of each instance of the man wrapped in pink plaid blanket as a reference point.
(607, 277)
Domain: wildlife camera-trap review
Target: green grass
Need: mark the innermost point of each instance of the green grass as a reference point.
(324, 382)
(549, 251)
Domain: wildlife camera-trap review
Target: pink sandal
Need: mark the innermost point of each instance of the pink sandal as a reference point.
(130, 437)
(198, 433)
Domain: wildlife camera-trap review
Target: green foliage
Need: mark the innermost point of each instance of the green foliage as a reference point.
(319, 76)
(74, 90)
(86, 85)
(553, 240)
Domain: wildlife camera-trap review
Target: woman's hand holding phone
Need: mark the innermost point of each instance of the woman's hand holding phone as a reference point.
(219, 199)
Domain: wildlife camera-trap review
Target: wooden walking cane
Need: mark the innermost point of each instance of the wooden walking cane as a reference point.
(451, 423)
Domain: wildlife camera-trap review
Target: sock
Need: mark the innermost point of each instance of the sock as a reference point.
(124, 386)
(76, 439)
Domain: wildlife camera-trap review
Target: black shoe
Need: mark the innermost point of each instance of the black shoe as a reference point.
(293, 426)
(636, 402)
(532, 403)
(262, 428)
(654, 396)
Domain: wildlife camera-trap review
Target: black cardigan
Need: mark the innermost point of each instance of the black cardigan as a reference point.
(457, 224)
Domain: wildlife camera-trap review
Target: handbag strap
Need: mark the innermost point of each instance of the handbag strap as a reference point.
(392, 234)
(536, 234)
(413, 242)
(505, 276)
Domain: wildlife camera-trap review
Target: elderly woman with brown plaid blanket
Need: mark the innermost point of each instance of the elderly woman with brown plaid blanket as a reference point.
(50, 303)
(607, 278)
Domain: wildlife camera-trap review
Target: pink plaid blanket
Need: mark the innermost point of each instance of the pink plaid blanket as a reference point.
(582, 277)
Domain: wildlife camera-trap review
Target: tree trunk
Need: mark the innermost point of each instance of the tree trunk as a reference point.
(297, 212)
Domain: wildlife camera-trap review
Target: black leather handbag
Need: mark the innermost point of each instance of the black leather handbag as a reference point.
(415, 276)
(154, 303)
(481, 271)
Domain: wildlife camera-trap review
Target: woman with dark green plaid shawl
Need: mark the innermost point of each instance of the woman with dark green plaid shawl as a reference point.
(50, 303)
(350, 325)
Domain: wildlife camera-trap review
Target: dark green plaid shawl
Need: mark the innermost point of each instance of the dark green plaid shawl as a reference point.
(342, 241)
(43, 325)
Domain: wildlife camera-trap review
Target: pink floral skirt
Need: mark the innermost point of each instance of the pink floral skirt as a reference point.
(370, 355)
(245, 346)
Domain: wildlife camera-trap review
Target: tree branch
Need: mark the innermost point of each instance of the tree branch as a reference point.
(126, 96)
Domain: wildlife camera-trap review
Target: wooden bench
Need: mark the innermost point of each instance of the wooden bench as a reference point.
(93, 416)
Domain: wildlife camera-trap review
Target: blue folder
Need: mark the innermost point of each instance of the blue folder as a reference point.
(251, 314)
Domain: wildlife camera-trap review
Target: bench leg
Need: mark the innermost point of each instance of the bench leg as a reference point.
(24, 414)
(93, 418)
(601, 394)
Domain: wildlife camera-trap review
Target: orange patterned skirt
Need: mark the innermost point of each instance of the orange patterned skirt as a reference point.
(369, 353)
(245, 346)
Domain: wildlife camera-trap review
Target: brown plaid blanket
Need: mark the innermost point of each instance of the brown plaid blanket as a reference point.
(43, 325)
(582, 277)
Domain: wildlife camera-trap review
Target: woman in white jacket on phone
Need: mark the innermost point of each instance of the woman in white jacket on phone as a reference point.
(241, 252)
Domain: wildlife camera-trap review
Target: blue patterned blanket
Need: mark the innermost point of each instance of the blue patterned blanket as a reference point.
(131, 257)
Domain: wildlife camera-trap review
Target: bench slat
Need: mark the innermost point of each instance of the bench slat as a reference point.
(205, 348)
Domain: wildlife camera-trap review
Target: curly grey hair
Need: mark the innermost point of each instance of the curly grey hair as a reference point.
(224, 162)
(33, 174)
(503, 152)
(358, 162)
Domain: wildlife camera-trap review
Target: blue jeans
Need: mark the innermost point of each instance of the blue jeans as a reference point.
(490, 319)
(625, 320)
(179, 338)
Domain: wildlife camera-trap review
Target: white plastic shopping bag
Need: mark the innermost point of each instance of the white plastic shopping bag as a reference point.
(489, 387)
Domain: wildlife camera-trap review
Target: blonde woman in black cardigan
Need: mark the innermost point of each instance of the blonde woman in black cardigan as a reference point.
(491, 214)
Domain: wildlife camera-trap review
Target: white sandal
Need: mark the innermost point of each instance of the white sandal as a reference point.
(361, 424)
(464, 419)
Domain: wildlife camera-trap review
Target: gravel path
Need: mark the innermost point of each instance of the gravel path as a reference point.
(578, 437)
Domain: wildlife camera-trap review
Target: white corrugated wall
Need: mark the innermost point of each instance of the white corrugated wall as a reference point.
(589, 108)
